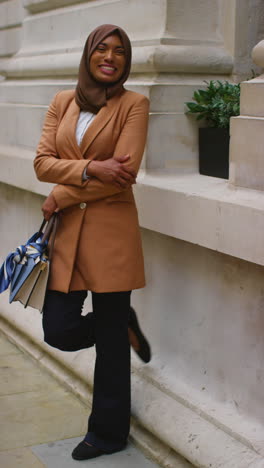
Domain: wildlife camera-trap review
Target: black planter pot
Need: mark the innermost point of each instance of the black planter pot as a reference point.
(214, 152)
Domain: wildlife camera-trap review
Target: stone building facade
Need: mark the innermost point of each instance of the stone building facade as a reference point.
(200, 400)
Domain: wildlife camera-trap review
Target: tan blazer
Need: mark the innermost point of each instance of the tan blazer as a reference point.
(98, 244)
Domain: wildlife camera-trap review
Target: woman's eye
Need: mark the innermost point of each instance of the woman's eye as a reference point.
(100, 48)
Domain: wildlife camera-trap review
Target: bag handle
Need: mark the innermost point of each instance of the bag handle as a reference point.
(49, 227)
(53, 234)
(47, 231)
(50, 232)
(42, 226)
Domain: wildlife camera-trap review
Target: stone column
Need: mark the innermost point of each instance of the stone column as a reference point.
(176, 46)
(11, 17)
(247, 131)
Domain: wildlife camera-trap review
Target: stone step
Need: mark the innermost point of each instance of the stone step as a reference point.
(252, 97)
(246, 152)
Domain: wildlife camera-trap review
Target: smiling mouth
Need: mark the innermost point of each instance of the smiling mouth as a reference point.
(107, 69)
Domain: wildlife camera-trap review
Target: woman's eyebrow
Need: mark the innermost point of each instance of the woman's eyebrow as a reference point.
(117, 47)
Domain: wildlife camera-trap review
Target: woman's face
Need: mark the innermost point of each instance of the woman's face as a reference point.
(107, 62)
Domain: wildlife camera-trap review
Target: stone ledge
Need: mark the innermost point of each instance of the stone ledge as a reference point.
(39, 6)
(206, 211)
(17, 170)
(203, 210)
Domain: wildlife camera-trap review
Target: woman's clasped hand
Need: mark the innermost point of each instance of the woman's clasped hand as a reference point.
(113, 171)
(49, 207)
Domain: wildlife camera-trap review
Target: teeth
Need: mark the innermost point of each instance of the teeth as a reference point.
(108, 68)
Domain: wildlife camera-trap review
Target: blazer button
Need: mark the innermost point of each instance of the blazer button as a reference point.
(82, 205)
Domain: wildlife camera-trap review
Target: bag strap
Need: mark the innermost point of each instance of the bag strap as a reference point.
(42, 227)
(49, 233)
(53, 235)
(49, 227)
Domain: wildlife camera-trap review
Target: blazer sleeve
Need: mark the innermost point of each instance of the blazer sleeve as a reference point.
(131, 141)
(47, 164)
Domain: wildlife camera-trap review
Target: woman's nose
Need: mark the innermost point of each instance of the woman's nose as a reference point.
(109, 54)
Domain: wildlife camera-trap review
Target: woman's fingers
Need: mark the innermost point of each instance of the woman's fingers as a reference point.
(123, 159)
(49, 206)
(126, 177)
(113, 171)
(128, 171)
(46, 214)
(125, 183)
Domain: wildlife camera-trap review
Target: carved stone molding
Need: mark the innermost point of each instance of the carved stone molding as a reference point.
(148, 59)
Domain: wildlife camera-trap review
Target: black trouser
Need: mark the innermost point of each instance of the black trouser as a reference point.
(106, 327)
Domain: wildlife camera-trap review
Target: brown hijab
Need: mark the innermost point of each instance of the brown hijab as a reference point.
(91, 95)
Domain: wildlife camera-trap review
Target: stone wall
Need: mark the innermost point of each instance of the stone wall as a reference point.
(201, 395)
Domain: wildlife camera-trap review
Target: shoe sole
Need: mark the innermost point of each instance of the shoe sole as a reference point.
(144, 352)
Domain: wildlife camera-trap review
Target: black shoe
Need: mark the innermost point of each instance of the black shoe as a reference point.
(144, 351)
(84, 451)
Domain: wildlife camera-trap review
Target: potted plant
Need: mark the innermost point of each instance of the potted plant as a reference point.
(215, 105)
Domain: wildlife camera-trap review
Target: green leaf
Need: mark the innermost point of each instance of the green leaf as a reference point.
(219, 101)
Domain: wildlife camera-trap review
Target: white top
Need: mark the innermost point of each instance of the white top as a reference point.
(84, 121)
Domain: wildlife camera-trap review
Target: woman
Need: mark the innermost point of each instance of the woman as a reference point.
(91, 147)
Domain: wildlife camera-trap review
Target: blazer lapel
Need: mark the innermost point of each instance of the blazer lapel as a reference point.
(97, 125)
(70, 123)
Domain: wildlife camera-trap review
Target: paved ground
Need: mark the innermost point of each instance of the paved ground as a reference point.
(41, 421)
